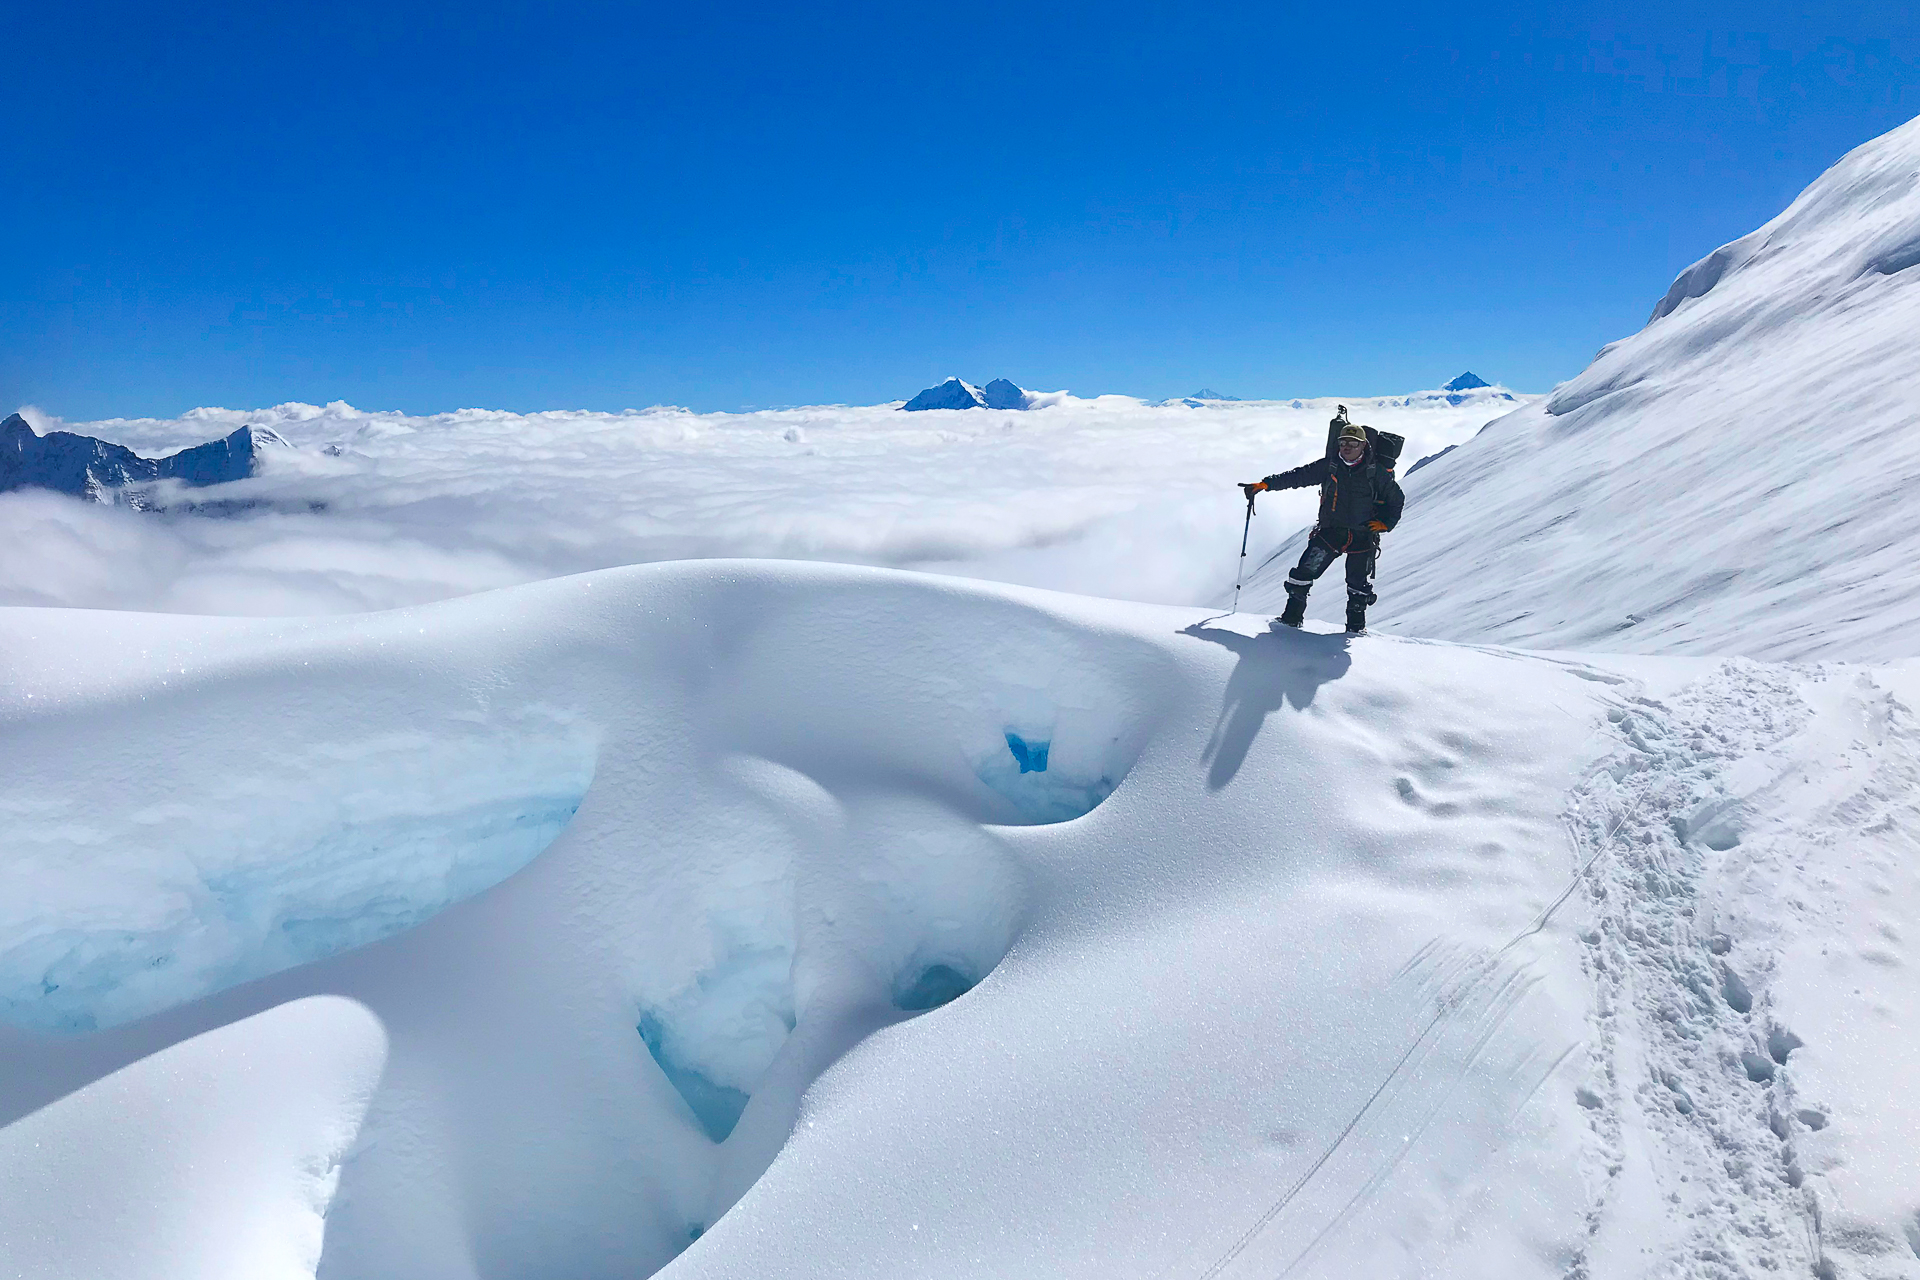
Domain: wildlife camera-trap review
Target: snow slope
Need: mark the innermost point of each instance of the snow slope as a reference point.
(1731, 479)
(1274, 953)
(1105, 496)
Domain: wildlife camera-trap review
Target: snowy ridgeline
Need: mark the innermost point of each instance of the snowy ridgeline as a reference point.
(804, 921)
(1734, 478)
(1106, 496)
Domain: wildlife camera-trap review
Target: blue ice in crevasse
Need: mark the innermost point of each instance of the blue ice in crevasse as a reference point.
(715, 1106)
(1041, 794)
(716, 1037)
(334, 890)
(935, 985)
(1030, 756)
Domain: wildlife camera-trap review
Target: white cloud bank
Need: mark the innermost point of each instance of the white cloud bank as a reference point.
(1107, 496)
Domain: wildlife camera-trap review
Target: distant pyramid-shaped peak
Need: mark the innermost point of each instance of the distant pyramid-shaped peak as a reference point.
(1001, 394)
(1466, 382)
(951, 394)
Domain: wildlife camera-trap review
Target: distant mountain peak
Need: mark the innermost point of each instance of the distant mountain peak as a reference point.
(1208, 393)
(1001, 394)
(83, 466)
(1466, 382)
(955, 393)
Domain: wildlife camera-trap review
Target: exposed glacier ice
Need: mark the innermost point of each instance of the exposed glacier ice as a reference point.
(129, 892)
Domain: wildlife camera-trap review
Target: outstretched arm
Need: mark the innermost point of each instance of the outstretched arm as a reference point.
(1300, 477)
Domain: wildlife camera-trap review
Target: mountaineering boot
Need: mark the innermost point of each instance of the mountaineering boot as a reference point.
(1296, 611)
(1356, 617)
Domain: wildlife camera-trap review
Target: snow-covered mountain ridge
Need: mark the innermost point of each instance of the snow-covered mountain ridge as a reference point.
(1734, 478)
(83, 467)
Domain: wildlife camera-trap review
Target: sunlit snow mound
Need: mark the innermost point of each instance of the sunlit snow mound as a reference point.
(748, 919)
(1734, 478)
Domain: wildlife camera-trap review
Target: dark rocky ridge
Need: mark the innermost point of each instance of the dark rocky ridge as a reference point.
(84, 467)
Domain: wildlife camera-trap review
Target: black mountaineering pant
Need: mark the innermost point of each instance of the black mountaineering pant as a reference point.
(1360, 546)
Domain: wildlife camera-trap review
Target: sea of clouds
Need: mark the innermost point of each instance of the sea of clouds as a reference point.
(1106, 496)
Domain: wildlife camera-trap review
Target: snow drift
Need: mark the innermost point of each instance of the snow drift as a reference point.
(1731, 479)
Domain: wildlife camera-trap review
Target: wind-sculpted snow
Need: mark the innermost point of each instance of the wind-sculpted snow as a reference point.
(1106, 496)
(881, 885)
(909, 926)
(246, 1126)
(1734, 478)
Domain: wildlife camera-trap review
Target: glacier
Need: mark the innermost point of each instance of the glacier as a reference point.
(726, 918)
(795, 930)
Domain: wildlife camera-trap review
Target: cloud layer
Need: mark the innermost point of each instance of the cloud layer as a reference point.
(368, 510)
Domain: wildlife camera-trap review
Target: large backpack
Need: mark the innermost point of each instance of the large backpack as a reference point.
(1386, 445)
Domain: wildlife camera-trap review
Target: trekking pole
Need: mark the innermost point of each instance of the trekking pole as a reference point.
(1241, 572)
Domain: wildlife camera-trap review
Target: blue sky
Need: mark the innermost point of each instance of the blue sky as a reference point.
(428, 206)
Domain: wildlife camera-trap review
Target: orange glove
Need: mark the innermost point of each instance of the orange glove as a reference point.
(1258, 486)
(1378, 526)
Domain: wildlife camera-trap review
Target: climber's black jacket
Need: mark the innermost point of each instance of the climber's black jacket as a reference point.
(1350, 496)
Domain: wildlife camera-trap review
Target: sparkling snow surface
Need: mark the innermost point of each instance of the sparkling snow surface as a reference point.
(1105, 496)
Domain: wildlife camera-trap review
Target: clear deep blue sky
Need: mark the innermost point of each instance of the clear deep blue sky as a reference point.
(430, 206)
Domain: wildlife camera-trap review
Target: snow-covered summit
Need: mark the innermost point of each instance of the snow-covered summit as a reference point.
(955, 393)
(951, 394)
(1732, 478)
(1002, 394)
(1468, 389)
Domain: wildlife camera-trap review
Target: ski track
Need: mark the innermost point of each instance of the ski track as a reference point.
(1692, 1095)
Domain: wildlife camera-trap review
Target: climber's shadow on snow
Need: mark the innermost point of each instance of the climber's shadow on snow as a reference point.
(1277, 668)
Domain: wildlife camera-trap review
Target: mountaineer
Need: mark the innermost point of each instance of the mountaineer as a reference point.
(1359, 501)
